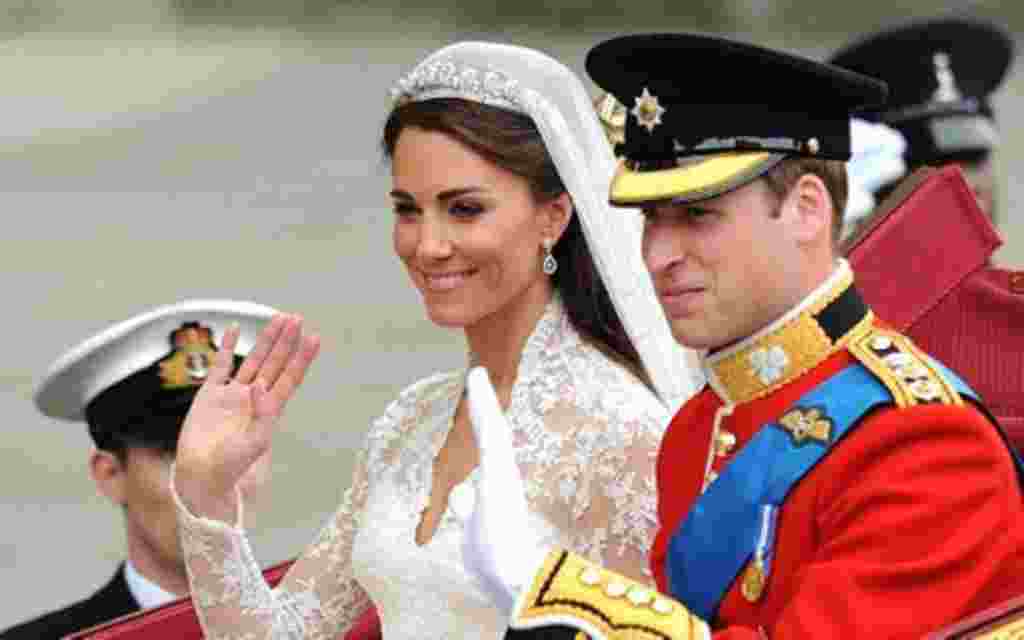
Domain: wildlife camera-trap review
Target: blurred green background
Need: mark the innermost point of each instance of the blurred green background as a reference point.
(156, 150)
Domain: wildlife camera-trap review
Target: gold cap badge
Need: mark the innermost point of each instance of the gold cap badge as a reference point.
(648, 110)
(193, 354)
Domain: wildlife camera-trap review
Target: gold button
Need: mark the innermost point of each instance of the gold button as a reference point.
(662, 606)
(590, 576)
(725, 442)
(639, 596)
(615, 589)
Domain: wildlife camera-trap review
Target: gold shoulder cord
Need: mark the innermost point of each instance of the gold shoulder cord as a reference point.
(903, 369)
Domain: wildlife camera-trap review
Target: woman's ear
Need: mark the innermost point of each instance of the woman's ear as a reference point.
(556, 214)
(109, 473)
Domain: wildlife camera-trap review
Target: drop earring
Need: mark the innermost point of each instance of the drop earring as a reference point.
(550, 265)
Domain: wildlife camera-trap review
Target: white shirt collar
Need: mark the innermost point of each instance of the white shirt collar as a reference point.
(146, 592)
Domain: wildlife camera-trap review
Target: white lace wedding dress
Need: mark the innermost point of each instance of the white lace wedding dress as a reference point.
(586, 436)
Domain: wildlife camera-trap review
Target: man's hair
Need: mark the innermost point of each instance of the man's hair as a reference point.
(784, 176)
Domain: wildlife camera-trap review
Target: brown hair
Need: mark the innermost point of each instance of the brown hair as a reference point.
(511, 141)
(783, 176)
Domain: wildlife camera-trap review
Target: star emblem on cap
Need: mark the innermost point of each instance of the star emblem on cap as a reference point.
(647, 110)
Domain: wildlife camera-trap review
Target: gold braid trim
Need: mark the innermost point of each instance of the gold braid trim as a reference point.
(601, 604)
(802, 340)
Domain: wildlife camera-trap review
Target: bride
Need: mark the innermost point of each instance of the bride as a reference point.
(500, 171)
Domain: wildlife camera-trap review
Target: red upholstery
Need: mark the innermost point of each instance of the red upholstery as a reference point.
(1002, 622)
(178, 620)
(921, 245)
(923, 265)
(367, 627)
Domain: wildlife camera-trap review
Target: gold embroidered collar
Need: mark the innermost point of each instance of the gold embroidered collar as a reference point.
(824, 322)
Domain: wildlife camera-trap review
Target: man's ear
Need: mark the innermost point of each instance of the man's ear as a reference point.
(814, 210)
(555, 217)
(109, 473)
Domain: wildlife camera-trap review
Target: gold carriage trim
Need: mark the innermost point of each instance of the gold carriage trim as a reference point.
(904, 369)
(601, 604)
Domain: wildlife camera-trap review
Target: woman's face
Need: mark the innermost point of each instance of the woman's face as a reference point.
(469, 232)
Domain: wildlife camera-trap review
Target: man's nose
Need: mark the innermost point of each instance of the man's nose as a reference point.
(662, 248)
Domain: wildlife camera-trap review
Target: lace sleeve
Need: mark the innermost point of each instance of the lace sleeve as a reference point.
(318, 598)
(590, 468)
(614, 508)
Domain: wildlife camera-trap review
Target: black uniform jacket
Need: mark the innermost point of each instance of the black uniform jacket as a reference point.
(112, 601)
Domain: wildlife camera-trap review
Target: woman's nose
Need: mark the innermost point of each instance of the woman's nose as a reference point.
(435, 239)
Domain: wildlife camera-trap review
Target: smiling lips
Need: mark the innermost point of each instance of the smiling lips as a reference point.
(446, 280)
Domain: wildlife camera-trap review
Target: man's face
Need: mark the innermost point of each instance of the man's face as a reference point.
(723, 268)
(150, 514)
(151, 520)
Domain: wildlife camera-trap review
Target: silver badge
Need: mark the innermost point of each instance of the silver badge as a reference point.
(647, 110)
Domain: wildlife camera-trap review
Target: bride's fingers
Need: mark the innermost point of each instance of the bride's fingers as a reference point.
(282, 351)
(267, 338)
(295, 372)
(223, 362)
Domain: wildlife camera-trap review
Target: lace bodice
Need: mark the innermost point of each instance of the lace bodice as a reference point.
(586, 436)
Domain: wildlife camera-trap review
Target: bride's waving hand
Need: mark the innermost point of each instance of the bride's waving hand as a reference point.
(232, 419)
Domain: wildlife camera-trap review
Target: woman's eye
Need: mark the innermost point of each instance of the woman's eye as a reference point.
(466, 209)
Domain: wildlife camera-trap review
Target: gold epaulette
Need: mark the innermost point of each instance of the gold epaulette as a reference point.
(903, 368)
(571, 592)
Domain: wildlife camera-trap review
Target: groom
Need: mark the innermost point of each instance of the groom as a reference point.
(831, 480)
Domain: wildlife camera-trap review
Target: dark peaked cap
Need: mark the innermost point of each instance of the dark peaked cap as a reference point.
(707, 114)
(940, 73)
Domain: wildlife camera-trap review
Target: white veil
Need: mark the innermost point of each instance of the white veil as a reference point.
(540, 87)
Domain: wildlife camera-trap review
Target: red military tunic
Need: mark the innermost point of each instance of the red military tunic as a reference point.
(912, 521)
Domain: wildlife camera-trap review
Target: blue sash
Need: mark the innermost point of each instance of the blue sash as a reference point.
(735, 515)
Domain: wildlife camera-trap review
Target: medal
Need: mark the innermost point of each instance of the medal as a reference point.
(755, 577)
